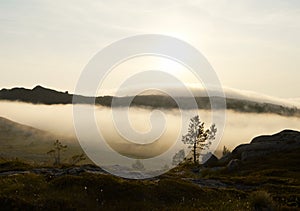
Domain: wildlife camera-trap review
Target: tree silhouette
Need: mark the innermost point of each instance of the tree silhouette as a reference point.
(178, 157)
(138, 165)
(197, 137)
(225, 151)
(165, 167)
(77, 158)
(56, 150)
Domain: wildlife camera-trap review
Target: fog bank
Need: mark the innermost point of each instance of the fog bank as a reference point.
(58, 119)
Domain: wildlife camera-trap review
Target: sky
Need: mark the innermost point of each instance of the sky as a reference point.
(251, 44)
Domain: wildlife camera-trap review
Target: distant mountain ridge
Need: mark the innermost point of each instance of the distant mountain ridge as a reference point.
(41, 95)
(36, 95)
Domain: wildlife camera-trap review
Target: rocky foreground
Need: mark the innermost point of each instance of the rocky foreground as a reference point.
(261, 175)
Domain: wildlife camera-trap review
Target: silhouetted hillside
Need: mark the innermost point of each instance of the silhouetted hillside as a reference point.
(41, 95)
(24, 142)
(36, 95)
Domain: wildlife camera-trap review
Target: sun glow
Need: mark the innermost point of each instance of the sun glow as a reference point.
(140, 64)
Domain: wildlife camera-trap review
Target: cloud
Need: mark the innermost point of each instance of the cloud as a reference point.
(197, 90)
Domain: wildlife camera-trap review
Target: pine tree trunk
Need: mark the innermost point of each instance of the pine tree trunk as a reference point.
(194, 152)
(58, 157)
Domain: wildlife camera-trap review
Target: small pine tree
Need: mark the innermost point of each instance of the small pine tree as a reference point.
(225, 151)
(165, 167)
(55, 152)
(178, 157)
(77, 158)
(138, 165)
(197, 137)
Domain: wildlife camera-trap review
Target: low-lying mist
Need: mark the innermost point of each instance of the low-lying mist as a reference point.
(58, 119)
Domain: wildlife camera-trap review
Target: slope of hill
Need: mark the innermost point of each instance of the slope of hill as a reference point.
(41, 95)
(28, 143)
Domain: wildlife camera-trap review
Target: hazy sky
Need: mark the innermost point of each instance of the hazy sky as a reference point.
(252, 44)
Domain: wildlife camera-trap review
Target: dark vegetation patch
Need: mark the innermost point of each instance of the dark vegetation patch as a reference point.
(14, 165)
(90, 191)
(271, 188)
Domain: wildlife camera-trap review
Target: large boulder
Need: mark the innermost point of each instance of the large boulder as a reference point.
(286, 140)
(225, 159)
(209, 160)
